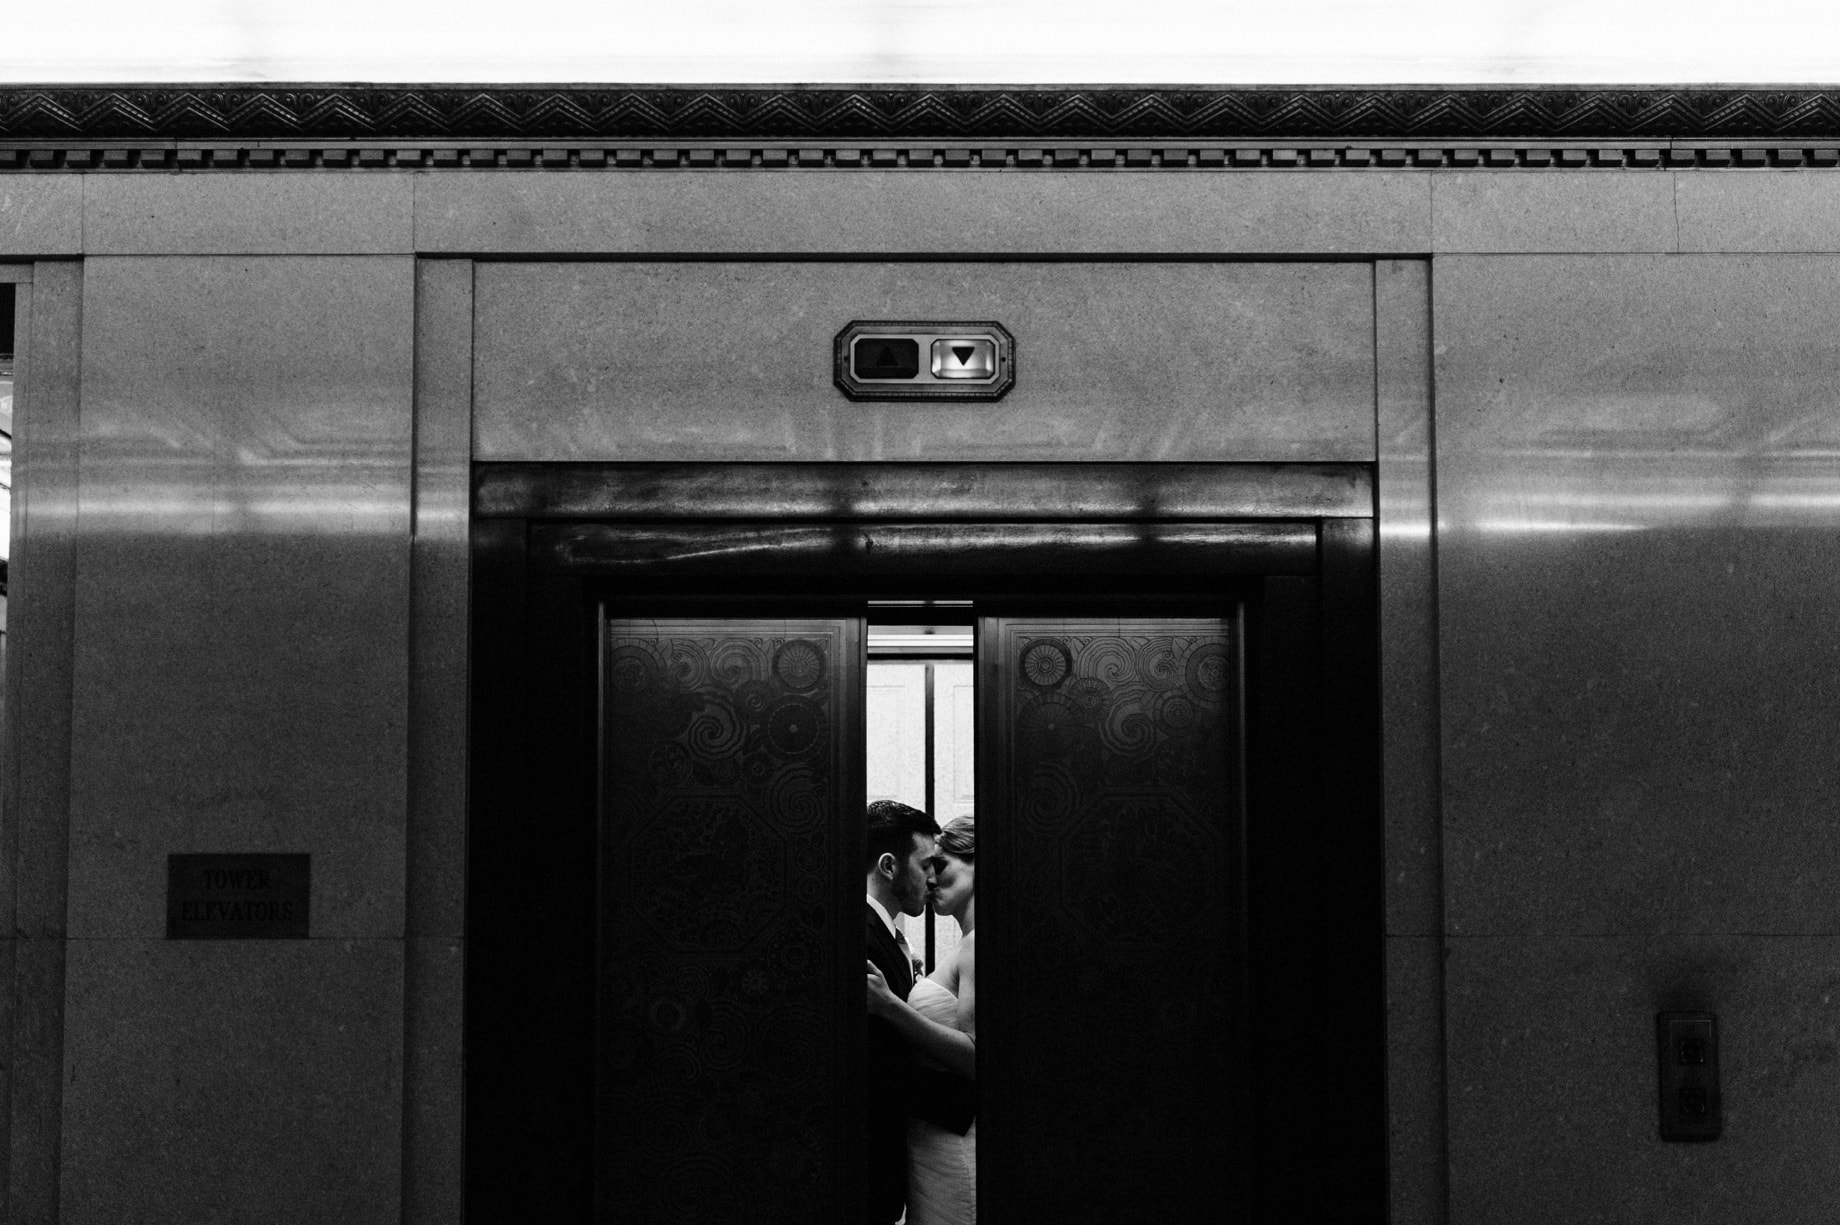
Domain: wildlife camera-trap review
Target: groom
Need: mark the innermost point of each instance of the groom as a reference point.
(902, 855)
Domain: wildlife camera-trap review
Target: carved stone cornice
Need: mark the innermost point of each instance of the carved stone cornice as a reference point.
(364, 126)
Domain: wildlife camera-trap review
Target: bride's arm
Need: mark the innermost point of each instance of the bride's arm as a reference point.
(950, 1049)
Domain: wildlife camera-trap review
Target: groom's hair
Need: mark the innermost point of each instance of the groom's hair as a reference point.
(891, 829)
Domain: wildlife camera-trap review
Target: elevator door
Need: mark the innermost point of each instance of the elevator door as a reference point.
(1114, 915)
(731, 776)
(730, 851)
(1179, 955)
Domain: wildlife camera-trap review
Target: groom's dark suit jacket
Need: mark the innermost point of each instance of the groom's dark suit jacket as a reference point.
(900, 1089)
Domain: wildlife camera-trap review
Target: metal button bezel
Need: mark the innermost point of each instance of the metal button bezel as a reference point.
(926, 385)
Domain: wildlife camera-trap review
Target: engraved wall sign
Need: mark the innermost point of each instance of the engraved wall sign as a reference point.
(237, 897)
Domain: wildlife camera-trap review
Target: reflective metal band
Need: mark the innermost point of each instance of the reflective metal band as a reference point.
(935, 492)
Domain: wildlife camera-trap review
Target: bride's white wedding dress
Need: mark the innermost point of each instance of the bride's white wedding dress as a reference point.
(941, 1165)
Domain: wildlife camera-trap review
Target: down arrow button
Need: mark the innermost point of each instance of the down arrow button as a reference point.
(964, 358)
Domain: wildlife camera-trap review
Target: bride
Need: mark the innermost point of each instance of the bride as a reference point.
(939, 1020)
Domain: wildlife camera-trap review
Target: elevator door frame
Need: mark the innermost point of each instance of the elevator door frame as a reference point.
(551, 542)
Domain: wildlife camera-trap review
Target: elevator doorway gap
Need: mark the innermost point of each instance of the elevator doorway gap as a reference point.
(921, 723)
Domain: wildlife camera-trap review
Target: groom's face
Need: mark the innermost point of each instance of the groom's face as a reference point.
(913, 878)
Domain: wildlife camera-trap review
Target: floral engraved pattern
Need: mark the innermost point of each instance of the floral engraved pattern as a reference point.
(1123, 782)
(1140, 742)
(719, 848)
(1045, 664)
(1102, 713)
(798, 664)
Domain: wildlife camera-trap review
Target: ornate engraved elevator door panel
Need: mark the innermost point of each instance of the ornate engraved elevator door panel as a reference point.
(1111, 918)
(731, 776)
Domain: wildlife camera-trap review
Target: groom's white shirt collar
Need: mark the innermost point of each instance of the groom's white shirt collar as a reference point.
(886, 921)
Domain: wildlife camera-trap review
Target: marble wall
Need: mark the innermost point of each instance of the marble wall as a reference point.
(1638, 481)
(733, 361)
(239, 681)
(1608, 569)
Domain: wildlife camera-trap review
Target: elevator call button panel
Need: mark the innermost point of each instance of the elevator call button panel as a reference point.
(1687, 1055)
(880, 359)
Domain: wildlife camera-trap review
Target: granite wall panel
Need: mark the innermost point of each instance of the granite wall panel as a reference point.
(255, 213)
(1638, 490)
(1554, 211)
(41, 215)
(239, 677)
(733, 361)
(1637, 494)
(225, 1082)
(1765, 211)
(34, 833)
(240, 665)
(435, 912)
(1417, 1136)
(871, 213)
(1553, 1099)
(1409, 741)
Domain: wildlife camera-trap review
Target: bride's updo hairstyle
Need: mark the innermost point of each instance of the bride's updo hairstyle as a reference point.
(959, 838)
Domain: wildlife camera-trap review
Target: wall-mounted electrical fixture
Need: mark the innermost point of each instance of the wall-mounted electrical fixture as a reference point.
(1687, 1058)
(880, 359)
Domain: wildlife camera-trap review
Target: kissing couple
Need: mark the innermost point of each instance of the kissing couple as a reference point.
(922, 1141)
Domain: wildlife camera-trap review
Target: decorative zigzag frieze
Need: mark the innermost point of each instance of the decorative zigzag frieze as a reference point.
(933, 114)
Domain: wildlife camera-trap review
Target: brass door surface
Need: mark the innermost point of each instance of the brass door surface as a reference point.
(730, 778)
(1114, 801)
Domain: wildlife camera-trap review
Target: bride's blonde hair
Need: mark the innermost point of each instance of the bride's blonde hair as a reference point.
(959, 838)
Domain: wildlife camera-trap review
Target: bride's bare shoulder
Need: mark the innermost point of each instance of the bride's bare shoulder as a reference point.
(958, 962)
